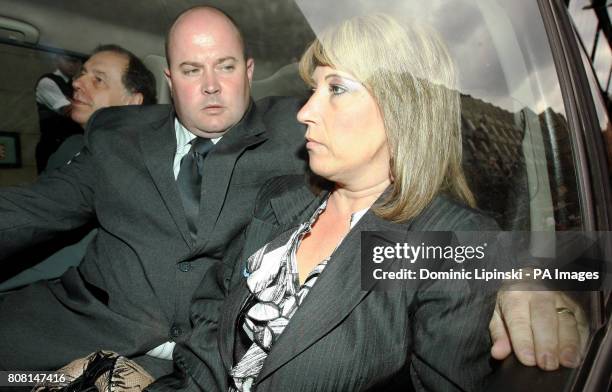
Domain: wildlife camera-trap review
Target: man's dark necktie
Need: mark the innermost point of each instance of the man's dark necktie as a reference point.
(189, 180)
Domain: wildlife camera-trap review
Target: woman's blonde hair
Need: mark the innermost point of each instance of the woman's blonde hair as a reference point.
(409, 72)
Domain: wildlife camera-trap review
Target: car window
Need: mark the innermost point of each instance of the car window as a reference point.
(597, 60)
(586, 19)
(517, 145)
(519, 150)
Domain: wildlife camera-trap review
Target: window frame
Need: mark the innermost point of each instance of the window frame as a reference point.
(590, 156)
(592, 174)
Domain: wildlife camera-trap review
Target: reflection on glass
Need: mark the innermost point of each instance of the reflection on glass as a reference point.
(517, 152)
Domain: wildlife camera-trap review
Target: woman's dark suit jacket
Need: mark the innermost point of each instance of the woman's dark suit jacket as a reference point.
(344, 338)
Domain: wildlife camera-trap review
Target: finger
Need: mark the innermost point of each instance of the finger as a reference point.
(545, 329)
(515, 312)
(501, 342)
(569, 340)
(582, 324)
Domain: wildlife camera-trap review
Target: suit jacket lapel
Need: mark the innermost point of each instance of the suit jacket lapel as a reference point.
(219, 166)
(158, 145)
(335, 294)
(291, 209)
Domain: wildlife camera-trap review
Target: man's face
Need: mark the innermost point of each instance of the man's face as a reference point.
(69, 65)
(100, 85)
(208, 74)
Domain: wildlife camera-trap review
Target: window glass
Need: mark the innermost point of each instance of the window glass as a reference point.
(603, 61)
(600, 107)
(517, 143)
(598, 71)
(517, 147)
(585, 21)
(594, 40)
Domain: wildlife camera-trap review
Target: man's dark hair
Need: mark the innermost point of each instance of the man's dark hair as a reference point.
(137, 78)
(245, 49)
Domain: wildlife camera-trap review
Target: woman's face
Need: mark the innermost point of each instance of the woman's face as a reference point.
(346, 139)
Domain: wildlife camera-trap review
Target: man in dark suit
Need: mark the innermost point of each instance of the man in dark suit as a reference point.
(132, 292)
(111, 76)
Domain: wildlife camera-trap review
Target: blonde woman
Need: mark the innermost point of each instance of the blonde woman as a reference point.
(383, 130)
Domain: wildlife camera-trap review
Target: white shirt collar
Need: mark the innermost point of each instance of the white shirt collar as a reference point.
(61, 75)
(357, 215)
(184, 136)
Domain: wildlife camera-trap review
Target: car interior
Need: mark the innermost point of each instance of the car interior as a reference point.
(534, 79)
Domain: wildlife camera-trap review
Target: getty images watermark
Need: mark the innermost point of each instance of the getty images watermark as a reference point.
(560, 261)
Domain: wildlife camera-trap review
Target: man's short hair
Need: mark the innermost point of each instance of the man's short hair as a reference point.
(137, 78)
(245, 49)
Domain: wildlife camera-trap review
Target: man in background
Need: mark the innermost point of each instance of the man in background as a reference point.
(112, 76)
(53, 94)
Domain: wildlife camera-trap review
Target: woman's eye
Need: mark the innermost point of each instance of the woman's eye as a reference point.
(336, 89)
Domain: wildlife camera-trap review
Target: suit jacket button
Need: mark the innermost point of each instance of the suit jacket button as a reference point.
(175, 331)
(184, 266)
